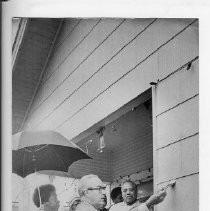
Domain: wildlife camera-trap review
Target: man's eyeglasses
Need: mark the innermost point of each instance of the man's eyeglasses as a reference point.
(100, 189)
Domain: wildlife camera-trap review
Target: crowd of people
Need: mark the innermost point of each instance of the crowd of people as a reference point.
(92, 197)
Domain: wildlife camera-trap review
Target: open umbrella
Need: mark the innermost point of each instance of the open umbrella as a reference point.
(34, 151)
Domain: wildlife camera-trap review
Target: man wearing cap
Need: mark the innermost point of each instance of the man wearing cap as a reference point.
(130, 202)
(91, 190)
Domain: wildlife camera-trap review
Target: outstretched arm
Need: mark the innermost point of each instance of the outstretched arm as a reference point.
(156, 198)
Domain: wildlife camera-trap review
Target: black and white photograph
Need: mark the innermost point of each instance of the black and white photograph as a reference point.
(104, 113)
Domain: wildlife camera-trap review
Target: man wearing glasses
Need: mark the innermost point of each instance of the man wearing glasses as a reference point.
(91, 190)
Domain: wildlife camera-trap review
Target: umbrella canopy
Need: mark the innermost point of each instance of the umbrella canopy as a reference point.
(43, 150)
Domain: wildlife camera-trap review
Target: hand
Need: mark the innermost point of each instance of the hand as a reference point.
(156, 198)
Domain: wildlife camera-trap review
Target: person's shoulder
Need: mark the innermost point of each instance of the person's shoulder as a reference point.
(138, 206)
(116, 206)
(84, 207)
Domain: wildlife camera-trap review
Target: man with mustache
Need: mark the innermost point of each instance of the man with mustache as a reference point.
(130, 202)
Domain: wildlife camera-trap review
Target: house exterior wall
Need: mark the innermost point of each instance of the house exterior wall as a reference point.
(133, 157)
(130, 156)
(177, 122)
(98, 65)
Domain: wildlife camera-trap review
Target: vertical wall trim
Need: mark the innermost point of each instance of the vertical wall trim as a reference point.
(154, 127)
(18, 39)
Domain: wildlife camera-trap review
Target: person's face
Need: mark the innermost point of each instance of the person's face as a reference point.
(94, 191)
(103, 201)
(118, 199)
(53, 202)
(129, 193)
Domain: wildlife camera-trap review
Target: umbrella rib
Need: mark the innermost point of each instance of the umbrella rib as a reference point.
(59, 158)
(41, 147)
(28, 150)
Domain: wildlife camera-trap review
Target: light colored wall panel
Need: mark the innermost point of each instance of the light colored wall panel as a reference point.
(63, 39)
(178, 123)
(114, 70)
(178, 159)
(103, 29)
(137, 50)
(84, 27)
(168, 163)
(46, 110)
(111, 46)
(126, 61)
(105, 104)
(184, 197)
(133, 48)
(178, 88)
(167, 93)
(178, 51)
(168, 27)
(76, 37)
(189, 82)
(99, 83)
(190, 155)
